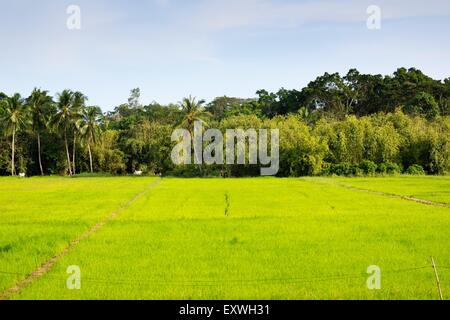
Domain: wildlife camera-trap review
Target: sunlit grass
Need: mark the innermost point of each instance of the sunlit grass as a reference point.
(279, 239)
(40, 216)
(435, 189)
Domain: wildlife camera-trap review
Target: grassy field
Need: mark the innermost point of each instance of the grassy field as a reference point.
(436, 189)
(261, 238)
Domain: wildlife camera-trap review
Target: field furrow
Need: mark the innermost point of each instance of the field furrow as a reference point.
(40, 218)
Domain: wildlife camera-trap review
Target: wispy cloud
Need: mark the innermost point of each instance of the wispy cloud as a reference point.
(210, 47)
(259, 13)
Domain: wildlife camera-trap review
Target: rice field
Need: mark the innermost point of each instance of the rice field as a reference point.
(261, 238)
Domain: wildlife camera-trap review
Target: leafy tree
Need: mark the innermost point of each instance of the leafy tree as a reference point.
(110, 158)
(423, 104)
(336, 124)
(301, 152)
(247, 108)
(150, 146)
(329, 94)
(133, 100)
(221, 106)
(405, 85)
(371, 93)
(445, 98)
(168, 115)
(438, 135)
(123, 117)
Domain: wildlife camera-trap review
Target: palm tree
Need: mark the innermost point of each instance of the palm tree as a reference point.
(78, 106)
(39, 103)
(62, 120)
(193, 111)
(15, 117)
(90, 128)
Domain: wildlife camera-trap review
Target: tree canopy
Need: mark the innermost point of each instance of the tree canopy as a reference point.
(337, 124)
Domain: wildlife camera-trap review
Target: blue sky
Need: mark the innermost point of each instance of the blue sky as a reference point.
(208, 48)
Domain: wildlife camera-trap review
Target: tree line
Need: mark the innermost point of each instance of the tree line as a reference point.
(346, 125)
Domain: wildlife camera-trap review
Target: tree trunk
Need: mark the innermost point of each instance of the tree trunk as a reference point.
(13, 151)
(90, 157)
(39, 153)
(73, 154)
(67, 151)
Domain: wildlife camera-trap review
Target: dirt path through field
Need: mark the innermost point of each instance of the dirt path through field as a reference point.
(49, 264)
(392, 195)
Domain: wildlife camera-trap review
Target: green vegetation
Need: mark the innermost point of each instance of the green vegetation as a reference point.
(342, 125)
(263, 238)
(435, 189)
(39, 217)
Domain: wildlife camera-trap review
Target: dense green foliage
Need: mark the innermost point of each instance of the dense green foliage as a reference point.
(357, 124)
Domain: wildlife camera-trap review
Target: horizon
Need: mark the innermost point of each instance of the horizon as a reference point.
(171, 49)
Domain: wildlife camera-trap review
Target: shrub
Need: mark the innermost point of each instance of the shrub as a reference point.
(389, 168)
(326, 169)
(382, 168)
(416, 170)
(342, 169)
(192, 171)
(368, 167)
(393, 168)
(357, 171)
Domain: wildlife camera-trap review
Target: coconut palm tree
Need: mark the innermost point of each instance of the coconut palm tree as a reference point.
(90, 129)
(193, 111)
(79, 101)
(62, 120)
(15, 117)
(39, 104)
